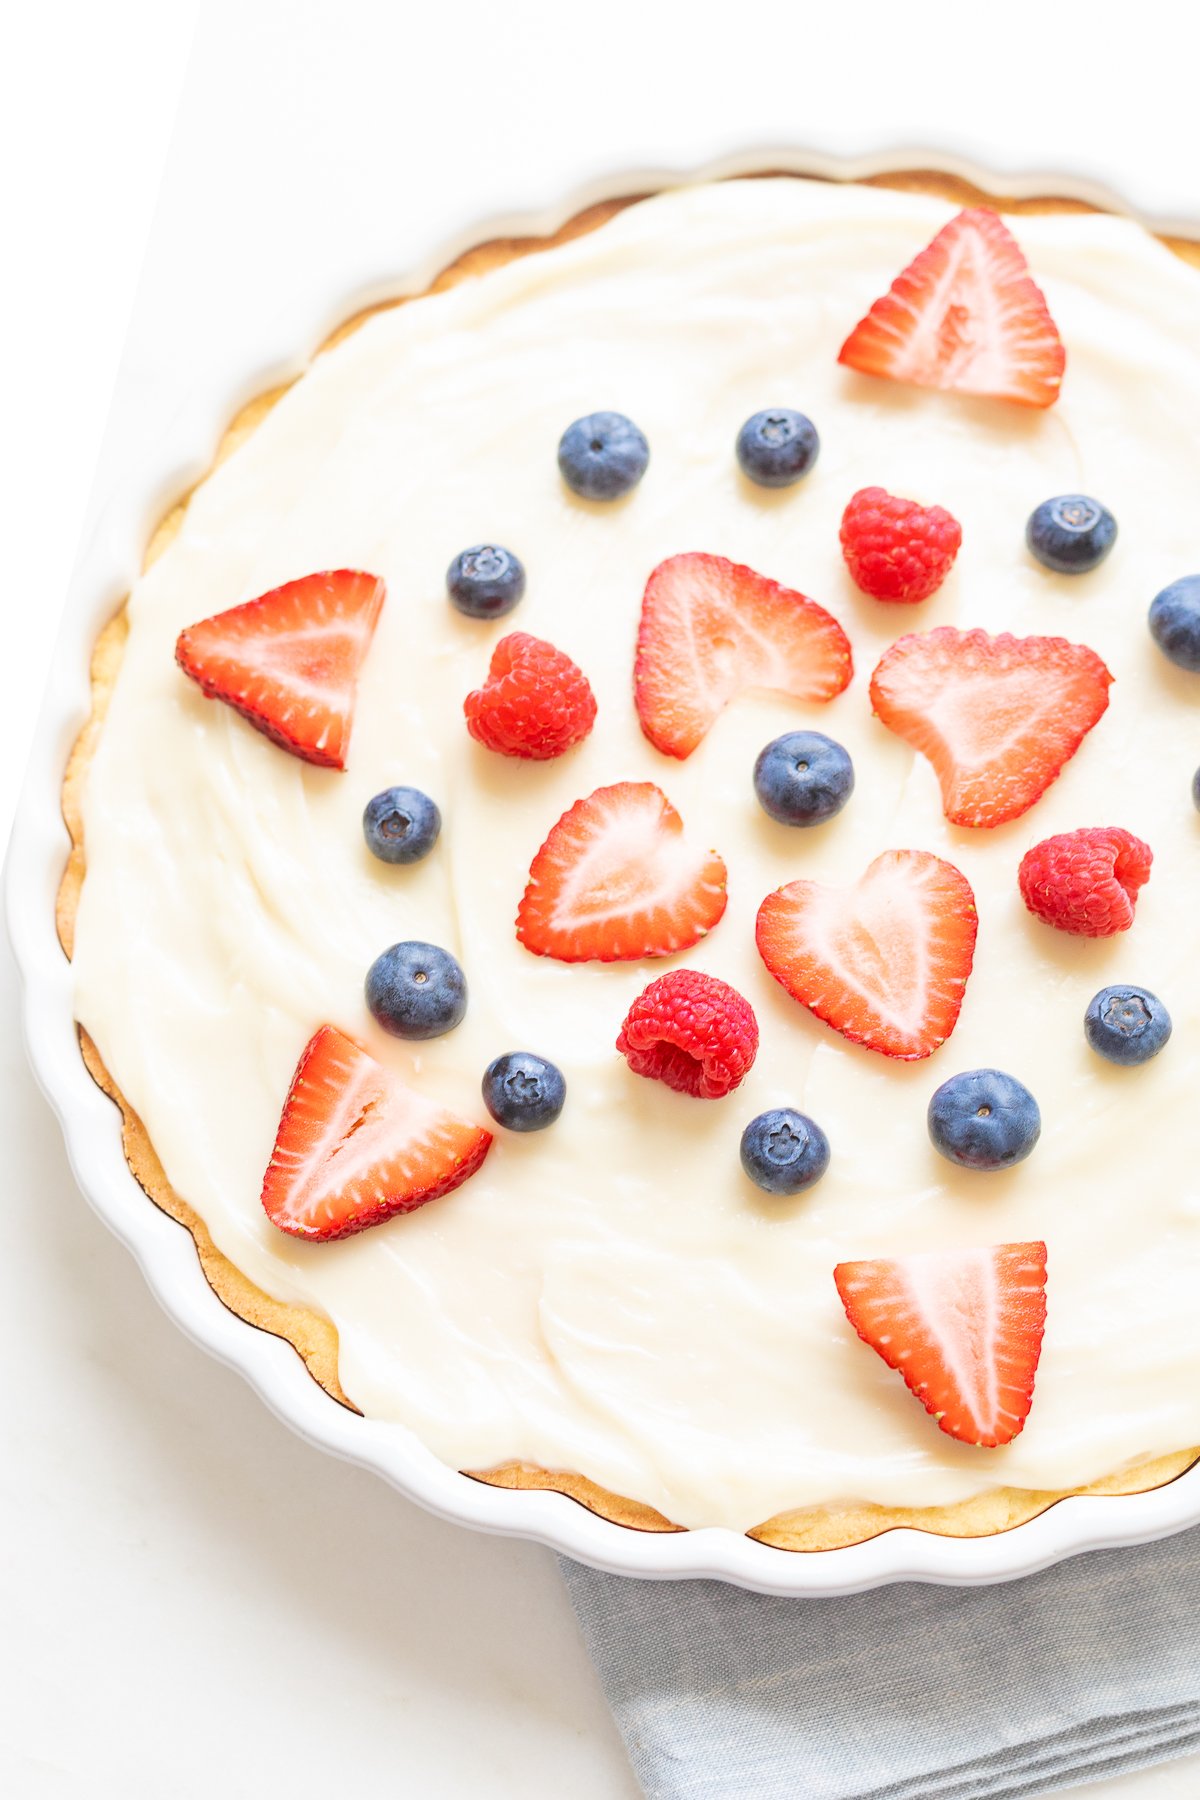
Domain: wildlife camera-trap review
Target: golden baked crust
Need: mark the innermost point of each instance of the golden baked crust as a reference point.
(313, 1336)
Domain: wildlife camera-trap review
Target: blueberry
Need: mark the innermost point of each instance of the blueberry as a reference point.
(602, 456)
(803, 778)
(401, 825)
(1071, 533)
(784, 1152)
(777, 447)
(1126, 1024)
(523, 1092)
(416, 990)
(1175, 622)
(486, 581)
(984, 1120)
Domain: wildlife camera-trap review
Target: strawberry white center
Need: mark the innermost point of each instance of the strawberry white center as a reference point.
(956, 1299)
(632, 862)
(361, 1129)
(877, 937)
(984, 717)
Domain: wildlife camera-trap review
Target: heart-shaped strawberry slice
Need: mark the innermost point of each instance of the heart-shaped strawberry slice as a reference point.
(617, 880)
(884, 962)
(710, 630)
(998, 717)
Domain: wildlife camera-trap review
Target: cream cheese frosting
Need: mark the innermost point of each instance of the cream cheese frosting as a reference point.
(613, 1296)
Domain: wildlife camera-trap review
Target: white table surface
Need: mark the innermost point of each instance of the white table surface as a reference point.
(196, 1603)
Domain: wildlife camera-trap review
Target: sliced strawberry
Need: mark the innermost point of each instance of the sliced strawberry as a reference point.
(616, 881)
(885, 962)
(998, 717)
(965, 314)
(710, 629)
(963, 1327)
(289, 661)
(356, 1144)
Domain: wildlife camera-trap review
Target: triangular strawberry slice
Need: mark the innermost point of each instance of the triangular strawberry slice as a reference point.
(998, 717)
(289, 661)
(963, 1327)
(884, 962)
(710, 629)
(356, 1144)
(616, 881)
(965, 314)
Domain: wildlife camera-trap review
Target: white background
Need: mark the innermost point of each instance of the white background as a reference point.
(193, 1602)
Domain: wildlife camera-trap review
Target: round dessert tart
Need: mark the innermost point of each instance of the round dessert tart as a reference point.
(582, 1289)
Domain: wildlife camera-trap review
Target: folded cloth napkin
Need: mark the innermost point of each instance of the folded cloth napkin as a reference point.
(912, 1692)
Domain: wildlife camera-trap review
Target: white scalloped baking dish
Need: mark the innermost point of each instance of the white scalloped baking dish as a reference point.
(91, 1124)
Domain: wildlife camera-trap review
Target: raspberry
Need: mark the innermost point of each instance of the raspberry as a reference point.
(895, 549)
(1086, 882)
(693, 1032)
(535, 703)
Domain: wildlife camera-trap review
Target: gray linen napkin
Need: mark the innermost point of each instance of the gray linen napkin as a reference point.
(912, 1692)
